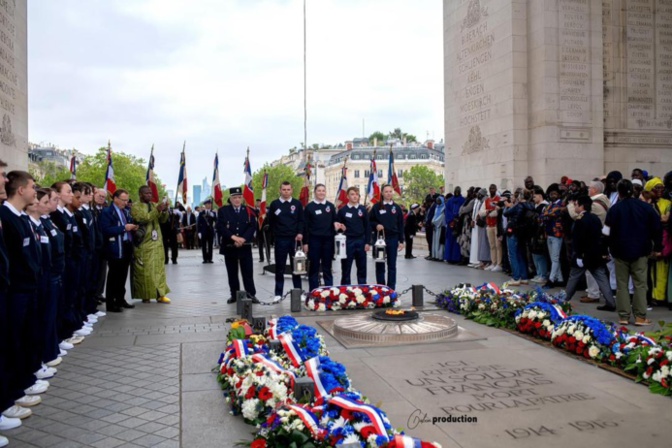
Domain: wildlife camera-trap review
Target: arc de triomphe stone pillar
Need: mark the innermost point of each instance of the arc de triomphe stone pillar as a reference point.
(556, 87)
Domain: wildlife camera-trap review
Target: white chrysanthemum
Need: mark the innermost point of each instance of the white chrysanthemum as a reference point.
(336, 306)
(371, 305)
(371, 441)
(665, 371)
(310, 304)
(585, 339)
(324, 420)
(571, 329)
(386, 299)
(356, 291)
(546, 323)
(334, 290)
(321, 307)
(657, 376)
(352, 304)
(359, 425)
(325, 293)
(279, 390)
(593, 351)
(481, 306)
(351, 438)
(342, 297)
(650, 361)
(532, 315)
(578, 334)
(668, 355)
(340, 422)
(250, 409)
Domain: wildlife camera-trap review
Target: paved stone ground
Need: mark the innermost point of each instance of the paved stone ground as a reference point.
(144, 378)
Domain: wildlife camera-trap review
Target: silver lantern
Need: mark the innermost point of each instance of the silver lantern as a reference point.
(299, 262)
(339, 246)
(379, 249)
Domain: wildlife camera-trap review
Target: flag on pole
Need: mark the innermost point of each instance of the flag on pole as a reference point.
(73, 168)
(392, 174)
(373, 190)
(216, 186)
(248, 190)
(262, 205)
(150, 177)
(110, 185)
(342, 193)
(182, 178)
(304, 197)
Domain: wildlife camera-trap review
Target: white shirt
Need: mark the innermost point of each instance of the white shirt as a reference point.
(388, 203)
(13, 209)
(284, 200)
(320, 203)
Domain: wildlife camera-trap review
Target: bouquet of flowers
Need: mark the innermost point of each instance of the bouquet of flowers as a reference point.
(653, 365)
(539, 319)
(351, 297)
(486, 304)
(585, 336)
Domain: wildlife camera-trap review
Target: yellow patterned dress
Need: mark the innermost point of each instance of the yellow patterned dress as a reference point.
(149, 271)
(660, 269)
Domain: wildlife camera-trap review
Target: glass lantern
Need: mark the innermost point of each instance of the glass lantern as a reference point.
(339, 246)
(299, 262)
(379, 250)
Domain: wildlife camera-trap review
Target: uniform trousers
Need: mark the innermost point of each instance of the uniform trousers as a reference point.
(284, 246)
(50, 296)
(320, 255)
(23, 336)
(68, 316)
(234, 257)
(6, 400)
(392, 245)
(206, 247)
(354, 249)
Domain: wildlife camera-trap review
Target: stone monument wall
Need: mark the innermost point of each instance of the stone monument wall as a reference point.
(14, 84)
(556, 87)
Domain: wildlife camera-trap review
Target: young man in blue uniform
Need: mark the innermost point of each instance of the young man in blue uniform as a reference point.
(387, 217)
(206, 230)
(321, 226)
(236, 225)
(286, 221)
(355, 220)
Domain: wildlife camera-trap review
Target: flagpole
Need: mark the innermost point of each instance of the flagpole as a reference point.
(305, 95)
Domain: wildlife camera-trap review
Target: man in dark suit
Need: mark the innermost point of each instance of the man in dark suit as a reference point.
(206, 230)
(410, 229)
(189, 226)
(589, 252)
(116, 225)
(236, 225)
(99, 203)
(169, 231)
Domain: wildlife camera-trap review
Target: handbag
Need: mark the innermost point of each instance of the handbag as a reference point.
(180, 239)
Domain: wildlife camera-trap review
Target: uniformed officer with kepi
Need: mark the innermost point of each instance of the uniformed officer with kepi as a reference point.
(206, 230)
(236, 225)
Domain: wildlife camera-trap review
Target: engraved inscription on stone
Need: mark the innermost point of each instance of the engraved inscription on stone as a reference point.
(474, 56)
(575, 73)
(8, 75)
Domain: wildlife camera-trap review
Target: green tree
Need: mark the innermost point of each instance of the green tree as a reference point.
(129, 172)
(377, 137)
(417, 181)
(46, 173)
(402, 135)
(276, 176)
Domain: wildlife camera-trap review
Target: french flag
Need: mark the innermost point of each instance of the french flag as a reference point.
(313, 371)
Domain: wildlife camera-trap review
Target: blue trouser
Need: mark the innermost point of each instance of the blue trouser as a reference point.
(518, 263)
(68, 317)
(354, 249)
(284, 246)
(23, 335)
(554, 249)
(392, 246)
(541, 265)
(239, 256)
(320, 254)
(5, 396)
(49, 311)
(83, 304)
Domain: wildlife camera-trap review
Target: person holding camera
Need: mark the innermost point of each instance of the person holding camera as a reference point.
(149, 271)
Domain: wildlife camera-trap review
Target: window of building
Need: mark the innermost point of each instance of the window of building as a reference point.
(412, 156)
(366, 173)
(400, 173)
(356, 174)
(380, 174)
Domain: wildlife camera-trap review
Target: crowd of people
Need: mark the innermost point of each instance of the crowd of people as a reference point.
(614, 230)
(63, 252)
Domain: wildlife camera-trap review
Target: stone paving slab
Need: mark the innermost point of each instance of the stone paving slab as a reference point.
(144, 377)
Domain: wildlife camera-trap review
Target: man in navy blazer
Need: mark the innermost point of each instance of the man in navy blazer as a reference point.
(116, 225)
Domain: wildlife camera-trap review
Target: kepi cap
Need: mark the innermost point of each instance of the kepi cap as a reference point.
(235, 191)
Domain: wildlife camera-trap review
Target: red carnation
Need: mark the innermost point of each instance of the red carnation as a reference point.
(664, 363)
(664, 383)
(250, 393)
(346, 414)
(649, 371)
(368, 431)
(259, 443)
(265, 394)
(260, 373)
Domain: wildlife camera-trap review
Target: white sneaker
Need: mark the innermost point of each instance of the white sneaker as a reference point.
(28, 400)
(100, 314)
(88, 325)
(63, 352)
(92, 317)
(513, 282)
(496, 268)
(82, 332)
(54, 362)
(75, 340)
(45, 373)
(65, 345)
(17, 412)
(43, 382)
(36, 389)
(7, 423)
(489, 267)
(276, 299)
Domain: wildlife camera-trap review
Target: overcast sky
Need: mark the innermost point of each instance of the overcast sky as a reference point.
(228, 74)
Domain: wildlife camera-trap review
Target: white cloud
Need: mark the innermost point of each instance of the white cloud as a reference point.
(227, 75)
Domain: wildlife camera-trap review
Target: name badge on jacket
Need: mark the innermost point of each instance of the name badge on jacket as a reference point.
(44, 239)
(53, 232)
(382, 212)
(318, 212)
(348, 215)
(26, 242)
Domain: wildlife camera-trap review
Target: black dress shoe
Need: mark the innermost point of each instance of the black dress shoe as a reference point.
(205, 262)
(210, 261)
(113, 309)
(231, 300)
(606, 308)
(254, 300)
(174, 261)
(127, 305)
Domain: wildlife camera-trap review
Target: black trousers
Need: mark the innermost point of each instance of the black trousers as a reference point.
(242, 257)
(5, 396)
(170, 241)
(117, 275)
(408, 239)
(429, 234)
(189, 239)
(24, 334)
(102, 276)
(206, 247)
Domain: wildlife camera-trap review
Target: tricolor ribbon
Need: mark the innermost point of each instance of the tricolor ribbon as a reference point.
(560, 311)
(291, 350)
(640, 337)
(272, 330)
(273, 366)
(309, 419)
(494, 288)
(240, 348)
(312, 369)
(407, 442)
(369, 411)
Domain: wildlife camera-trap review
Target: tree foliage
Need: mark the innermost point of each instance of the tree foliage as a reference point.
(129, 172)
(417, 181)
(276, 176)
(377, 137)
(49, 172)
(395, 134)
